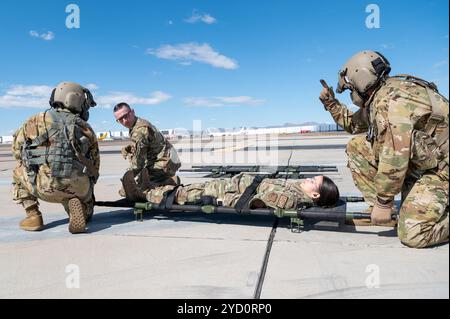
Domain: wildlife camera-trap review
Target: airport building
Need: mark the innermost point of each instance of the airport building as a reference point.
(213, 132)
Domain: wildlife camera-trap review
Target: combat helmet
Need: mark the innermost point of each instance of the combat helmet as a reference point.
(364, 71)
(74, 97)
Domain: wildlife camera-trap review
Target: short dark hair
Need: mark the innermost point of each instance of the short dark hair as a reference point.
(329, 193)
(120, 106)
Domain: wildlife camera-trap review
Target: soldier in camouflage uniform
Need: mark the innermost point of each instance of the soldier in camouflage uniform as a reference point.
(274, 193)
(58, 159)
(405, 150)
(153, 159)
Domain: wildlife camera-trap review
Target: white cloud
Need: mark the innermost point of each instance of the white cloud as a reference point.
(201, 101)
(203, 17)
(107, 101)
(47, 36)
(92, 86)
(440, 64)
(208, 19)
(220, 101)
(27, 96)
(7, 101)
(387, 46)
(32, 90)
(187, 52)
(37, 96)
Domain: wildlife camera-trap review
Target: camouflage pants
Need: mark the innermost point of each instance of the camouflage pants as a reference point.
(423, 214)
(50, 189)
(145, 181)
(226, 191)
(270, 193)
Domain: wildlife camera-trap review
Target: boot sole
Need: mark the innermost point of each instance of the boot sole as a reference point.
(131, 190)
(77, 222)
(36, 228)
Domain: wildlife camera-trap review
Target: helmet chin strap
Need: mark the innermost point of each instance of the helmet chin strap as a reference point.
(360, 99)
(357, 98)
(85, 114)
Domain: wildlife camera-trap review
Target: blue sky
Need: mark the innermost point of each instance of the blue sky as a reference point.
(227, 63)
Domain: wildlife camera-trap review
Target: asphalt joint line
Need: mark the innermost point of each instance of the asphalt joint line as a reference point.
(262, 273)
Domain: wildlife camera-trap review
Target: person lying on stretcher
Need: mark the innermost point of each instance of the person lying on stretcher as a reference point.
(258, 192)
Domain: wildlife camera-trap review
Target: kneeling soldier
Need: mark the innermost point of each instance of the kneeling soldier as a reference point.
(58, 159)
(153, 159)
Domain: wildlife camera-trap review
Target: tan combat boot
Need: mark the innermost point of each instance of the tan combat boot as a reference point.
(132, 192)
(77, 215)
(33, 221)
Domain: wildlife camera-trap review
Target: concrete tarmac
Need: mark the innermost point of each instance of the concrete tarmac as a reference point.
(211, 256)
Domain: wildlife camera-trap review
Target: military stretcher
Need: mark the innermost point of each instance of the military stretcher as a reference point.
(302, 218)
(290, 172)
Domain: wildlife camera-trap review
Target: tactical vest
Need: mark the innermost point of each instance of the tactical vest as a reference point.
(275, 195)
(436, 129)
(60, 154)
(429, 141)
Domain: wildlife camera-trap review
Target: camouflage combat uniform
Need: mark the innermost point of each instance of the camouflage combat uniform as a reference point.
(286, 194)
(397, 156)
(28, 187)
(153, 159)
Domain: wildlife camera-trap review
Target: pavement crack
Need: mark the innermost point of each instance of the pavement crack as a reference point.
(262, 273)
